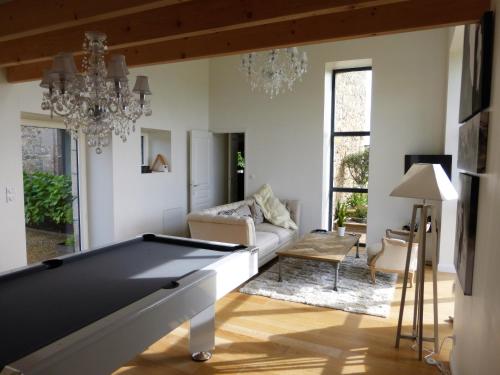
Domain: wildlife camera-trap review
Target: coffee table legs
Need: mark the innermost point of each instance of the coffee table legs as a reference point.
(279, 269)
(337, 266)
(336, 275)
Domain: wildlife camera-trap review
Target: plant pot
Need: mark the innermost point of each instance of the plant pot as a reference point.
(341, 231)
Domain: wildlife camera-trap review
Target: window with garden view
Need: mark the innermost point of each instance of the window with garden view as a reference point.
(50, 192)
(350, 146)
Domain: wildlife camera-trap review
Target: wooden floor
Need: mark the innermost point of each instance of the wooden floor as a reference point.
(258, 335)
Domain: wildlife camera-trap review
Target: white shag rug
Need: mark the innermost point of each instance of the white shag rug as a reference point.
(311, 282)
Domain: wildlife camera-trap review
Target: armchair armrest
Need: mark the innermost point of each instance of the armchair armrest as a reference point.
(240, 230)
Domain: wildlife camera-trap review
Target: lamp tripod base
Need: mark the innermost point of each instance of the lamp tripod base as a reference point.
(418, 310)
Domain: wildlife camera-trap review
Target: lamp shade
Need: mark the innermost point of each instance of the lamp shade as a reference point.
(117, 68)
(142, 86)
(64, 65)
(46, 82)
(426, 181)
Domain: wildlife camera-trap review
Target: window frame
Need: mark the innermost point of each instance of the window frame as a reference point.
(332, 188)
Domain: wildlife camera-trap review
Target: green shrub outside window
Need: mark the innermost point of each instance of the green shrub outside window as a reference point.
(47, 198)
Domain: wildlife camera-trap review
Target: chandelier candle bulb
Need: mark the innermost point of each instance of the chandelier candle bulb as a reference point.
(98, 101)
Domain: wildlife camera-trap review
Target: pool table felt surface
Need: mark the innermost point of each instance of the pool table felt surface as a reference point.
(39, 305)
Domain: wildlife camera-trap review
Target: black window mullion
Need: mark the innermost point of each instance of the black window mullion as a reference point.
(334, 134)
(351, 134)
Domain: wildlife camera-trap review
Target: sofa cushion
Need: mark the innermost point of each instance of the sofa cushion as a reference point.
(266, 242)
(274, 211)
(241, 211)
(284, 234)
(257, 215)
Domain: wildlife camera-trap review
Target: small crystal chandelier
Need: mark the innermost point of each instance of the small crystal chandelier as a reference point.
(274, 71)
(98, 101)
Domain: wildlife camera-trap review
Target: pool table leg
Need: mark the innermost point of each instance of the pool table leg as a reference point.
(202, 335)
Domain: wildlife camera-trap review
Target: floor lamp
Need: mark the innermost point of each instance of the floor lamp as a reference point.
(426, 182)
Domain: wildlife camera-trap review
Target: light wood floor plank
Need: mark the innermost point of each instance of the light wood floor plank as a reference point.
(259, 335)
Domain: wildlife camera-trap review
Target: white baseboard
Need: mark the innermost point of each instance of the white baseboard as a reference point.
(448, 268)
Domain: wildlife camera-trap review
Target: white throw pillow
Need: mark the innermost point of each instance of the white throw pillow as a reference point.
(274, 211)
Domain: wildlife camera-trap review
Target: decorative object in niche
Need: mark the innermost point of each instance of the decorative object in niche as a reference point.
(156, 150)
(160, 164)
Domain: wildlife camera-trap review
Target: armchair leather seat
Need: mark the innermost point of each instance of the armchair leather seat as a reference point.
(390, 255)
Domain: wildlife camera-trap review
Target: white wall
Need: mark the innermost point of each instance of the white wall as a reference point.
(449, 208)
(180, 103)
(122, 202)
(12, 234)
(285, 135)
(477, 317)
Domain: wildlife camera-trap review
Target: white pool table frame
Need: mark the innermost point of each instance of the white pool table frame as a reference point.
(110, 342)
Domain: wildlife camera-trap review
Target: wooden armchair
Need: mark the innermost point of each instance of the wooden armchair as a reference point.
(390, 254)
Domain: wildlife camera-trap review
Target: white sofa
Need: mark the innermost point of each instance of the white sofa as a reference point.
(269, 238)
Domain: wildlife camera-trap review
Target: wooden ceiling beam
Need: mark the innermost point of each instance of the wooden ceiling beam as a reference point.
(181, 20)
(393, 18)
(21, 18)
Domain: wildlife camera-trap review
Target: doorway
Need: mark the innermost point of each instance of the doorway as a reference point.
(51, 194)
(236, 167)
(228, 160)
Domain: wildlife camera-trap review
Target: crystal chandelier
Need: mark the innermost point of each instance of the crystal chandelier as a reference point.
(98, 101)
(274, 71)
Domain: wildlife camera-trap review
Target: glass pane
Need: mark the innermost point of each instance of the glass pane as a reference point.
(351, 156)
(352, 101)
(357, 211)
(50, 192)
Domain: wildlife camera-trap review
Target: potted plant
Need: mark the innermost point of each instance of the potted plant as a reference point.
(240, 162)
(341, 216)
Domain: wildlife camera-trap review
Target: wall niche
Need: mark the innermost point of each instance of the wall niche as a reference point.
(156, 151)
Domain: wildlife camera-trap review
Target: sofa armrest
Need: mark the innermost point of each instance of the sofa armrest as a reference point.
(240, 230)
(294, 208)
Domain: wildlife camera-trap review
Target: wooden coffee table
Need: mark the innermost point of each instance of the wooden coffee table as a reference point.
(324, 247)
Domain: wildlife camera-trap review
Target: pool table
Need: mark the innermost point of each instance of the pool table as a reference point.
(89, 313)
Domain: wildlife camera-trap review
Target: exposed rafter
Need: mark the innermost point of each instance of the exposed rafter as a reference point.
(391, 18)
(22, 18)
(182, 20)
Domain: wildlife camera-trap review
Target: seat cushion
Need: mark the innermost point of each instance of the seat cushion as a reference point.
(283, 234)
(266, 242)
(373, 250)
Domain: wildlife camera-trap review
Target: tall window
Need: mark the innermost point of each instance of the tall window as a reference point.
(350, 145)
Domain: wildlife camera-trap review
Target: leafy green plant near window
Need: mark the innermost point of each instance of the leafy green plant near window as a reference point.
(341, 213)
(358, 206)
(358, 166)
(240, 160)
(357, 199)
(47, 199)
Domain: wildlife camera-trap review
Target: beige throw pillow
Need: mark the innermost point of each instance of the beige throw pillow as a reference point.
(274, 211)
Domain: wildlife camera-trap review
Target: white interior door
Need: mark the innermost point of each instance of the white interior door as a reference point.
(199, 177)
